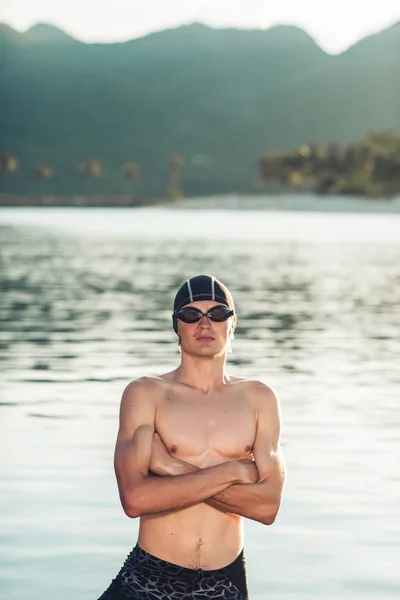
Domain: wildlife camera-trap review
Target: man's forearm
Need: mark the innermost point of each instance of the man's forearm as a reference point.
(255, 501)
(152, 495)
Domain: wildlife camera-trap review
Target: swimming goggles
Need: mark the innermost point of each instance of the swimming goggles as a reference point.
(190, 314)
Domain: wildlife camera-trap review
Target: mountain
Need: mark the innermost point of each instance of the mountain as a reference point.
(219, 97)
(43, 33)
(7, 33)
(382, 45)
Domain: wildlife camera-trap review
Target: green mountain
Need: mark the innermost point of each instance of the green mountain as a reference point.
(218, 97)
(42, 33)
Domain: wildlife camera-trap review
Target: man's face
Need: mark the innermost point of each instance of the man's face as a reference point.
(205, 337)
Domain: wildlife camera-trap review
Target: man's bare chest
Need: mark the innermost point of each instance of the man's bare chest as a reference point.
(206, 430)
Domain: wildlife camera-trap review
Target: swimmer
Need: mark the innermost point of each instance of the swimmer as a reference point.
(196, 452)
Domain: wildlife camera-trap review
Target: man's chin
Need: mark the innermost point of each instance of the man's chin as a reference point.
(205, 352)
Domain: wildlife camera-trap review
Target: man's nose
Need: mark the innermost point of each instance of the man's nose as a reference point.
(205, 321)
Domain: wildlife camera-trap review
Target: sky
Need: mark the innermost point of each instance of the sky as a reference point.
(334, 25)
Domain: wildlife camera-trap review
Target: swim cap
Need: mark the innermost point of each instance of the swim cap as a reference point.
(201, 287)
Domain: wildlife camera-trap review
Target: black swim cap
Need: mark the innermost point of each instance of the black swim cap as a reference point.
(202, 287)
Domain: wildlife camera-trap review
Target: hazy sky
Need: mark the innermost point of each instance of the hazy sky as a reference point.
(334, 25)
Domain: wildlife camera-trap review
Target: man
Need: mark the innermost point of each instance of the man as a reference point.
(197, 449)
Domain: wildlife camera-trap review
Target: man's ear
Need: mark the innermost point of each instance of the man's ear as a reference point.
(232, 330)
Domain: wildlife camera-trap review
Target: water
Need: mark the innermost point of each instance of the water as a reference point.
(85, 307)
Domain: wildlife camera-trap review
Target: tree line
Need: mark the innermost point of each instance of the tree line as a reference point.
(370, 167)
(92, 168)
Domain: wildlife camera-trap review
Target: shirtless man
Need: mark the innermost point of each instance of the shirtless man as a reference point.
(197, 449)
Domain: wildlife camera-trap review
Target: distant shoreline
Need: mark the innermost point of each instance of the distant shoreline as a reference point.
(284, 202)
(293, 202)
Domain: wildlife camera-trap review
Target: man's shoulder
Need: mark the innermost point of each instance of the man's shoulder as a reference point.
(254, 385)
(258, 391)
(146, 385)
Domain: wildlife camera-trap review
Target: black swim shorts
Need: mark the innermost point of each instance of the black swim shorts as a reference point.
(146, 577)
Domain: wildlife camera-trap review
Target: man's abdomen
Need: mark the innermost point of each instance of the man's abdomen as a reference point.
(199, 537)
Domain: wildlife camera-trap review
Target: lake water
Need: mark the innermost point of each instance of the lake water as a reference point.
(85, 306)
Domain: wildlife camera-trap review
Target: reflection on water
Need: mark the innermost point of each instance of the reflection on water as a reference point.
(82, 314)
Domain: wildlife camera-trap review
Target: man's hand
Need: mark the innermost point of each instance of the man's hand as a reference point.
(249, 472)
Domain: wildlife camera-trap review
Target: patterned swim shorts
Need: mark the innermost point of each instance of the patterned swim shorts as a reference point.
(146, 577)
